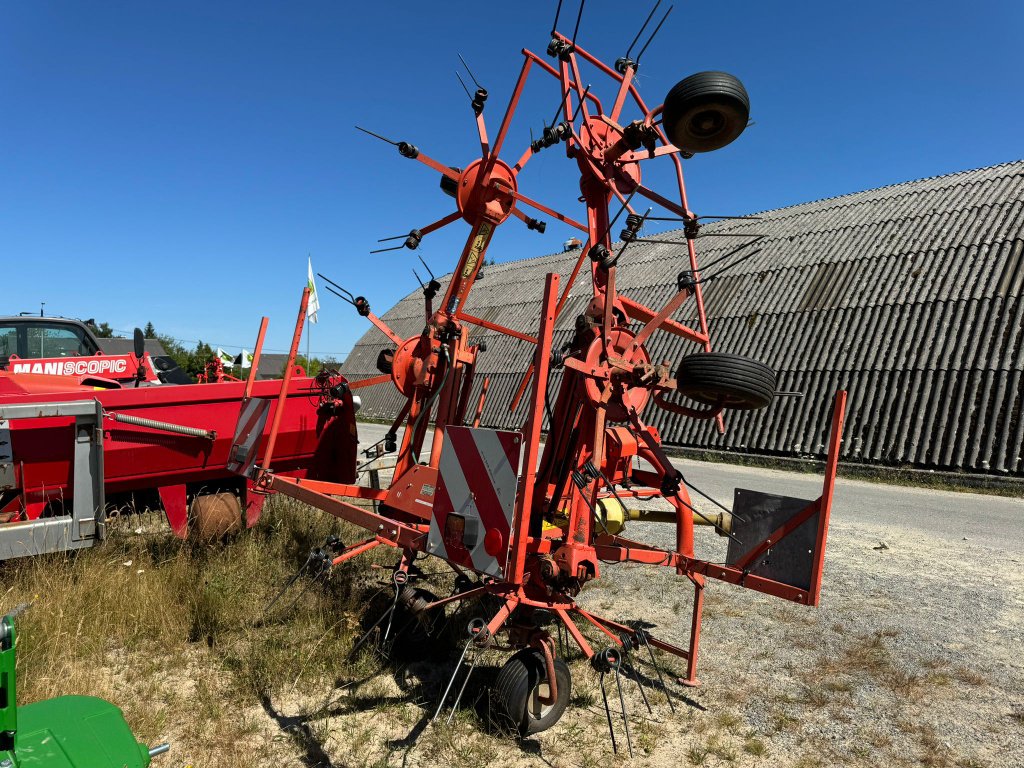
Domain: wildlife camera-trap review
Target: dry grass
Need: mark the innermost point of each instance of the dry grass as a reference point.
(174, 633)
(755, 746)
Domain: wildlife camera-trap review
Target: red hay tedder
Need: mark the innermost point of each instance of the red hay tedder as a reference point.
(530, 524)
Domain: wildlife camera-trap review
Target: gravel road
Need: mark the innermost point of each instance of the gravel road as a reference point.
(916, 656)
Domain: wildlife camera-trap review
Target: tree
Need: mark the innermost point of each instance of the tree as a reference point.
(102, 331)
(192, 361)
(314, 365)
(149, 331)
(175, 351)
(201, 355)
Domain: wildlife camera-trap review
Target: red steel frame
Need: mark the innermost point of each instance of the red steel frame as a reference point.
(608, 378)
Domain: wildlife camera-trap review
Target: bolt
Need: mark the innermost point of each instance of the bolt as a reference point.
(380, 527)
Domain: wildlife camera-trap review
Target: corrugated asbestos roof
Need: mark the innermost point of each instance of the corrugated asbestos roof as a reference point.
(909, 296)
(271, 365)
(115, 346)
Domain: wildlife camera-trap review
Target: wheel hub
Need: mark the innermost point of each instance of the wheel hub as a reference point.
(536, 707)
(626, 396)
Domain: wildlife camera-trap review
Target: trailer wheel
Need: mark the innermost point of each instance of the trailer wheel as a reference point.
(706, 111)
(732, 381)
(215, 516)
(520, 685)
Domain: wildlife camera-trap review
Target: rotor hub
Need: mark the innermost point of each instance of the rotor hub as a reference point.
(413, 366)
(486, 193)
(602, 142)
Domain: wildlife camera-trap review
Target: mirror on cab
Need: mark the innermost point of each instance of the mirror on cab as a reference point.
(139, 347)
(140, 343)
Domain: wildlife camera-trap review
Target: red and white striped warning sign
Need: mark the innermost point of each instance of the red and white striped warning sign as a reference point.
(476, 493)
(252, 418)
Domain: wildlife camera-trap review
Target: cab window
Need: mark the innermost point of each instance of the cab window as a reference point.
(60, 341)
(8, 341)
(31, 341)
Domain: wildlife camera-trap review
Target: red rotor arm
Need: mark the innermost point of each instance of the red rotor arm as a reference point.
(384, 328)
(641, 312)
(433, 227)
(543, 208)
(430, 162)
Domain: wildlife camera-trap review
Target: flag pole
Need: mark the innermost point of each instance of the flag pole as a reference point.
(308, 366)
(311, 310)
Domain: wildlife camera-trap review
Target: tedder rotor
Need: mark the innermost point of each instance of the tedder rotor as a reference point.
(530, 524)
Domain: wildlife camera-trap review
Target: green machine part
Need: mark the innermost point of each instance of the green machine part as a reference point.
(66, 732)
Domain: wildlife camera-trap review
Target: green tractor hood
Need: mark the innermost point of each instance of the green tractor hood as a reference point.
(66, 732)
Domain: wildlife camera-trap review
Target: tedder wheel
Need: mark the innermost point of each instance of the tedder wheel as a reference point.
(706, 111)
(216, 515)
(520, 685)
(412, 635)
(414, 622)
(732, 381)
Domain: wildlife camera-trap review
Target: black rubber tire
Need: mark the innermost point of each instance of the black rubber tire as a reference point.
(517, 683)
(385, 360)
(411, 637)
(732, 381)
(706, 111)
(415, 625)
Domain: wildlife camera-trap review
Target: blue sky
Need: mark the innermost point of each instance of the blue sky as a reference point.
(176, 162)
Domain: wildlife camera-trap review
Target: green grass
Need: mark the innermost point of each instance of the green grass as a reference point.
(754, 746)
(177, 634)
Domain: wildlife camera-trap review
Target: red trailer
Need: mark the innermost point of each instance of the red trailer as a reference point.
(72, 446)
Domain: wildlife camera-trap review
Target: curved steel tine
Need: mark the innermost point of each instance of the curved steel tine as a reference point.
(625, 717)
(458, 699)
(451, 680)
(367, 633)
(635, 674)
(657, 669)
(608, 712)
